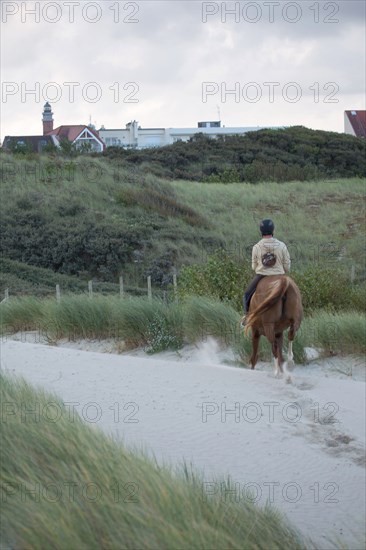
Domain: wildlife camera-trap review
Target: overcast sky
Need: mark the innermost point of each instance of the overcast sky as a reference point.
(174, 63)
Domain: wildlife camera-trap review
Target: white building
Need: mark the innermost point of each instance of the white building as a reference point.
(136, 137)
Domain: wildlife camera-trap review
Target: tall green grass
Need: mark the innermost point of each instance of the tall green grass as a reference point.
(68, 486)
(322, 223)
(26, 313)
(157, 326)
(334, 333)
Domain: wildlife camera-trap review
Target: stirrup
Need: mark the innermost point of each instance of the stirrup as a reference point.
(243, 321)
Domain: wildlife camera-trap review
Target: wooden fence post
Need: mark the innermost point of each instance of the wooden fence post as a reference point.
(90, 288)
(121, 292)
(6, 296)
(58, 294)
(149, 293)
(175, 287)
(353, 272)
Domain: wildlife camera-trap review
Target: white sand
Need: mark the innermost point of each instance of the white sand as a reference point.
(299, 445)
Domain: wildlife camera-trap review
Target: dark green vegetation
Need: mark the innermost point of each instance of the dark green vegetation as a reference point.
(66, 221)
(60, 492)
(295, 153)
(89, 218)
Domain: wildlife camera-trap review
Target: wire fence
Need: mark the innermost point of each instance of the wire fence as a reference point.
(97, 288)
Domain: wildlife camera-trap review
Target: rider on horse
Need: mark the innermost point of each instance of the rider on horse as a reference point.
(269, 257)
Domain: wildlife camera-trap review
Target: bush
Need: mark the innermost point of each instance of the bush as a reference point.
(325, 288)
(98, 248)
(163, 335)
(221, 278)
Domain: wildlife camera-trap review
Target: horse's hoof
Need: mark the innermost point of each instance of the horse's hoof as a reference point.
(289, 380)
(290, 364)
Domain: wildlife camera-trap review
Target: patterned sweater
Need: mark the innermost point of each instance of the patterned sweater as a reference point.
(279, 249)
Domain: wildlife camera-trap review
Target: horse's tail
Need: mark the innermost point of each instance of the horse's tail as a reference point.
(277, 290)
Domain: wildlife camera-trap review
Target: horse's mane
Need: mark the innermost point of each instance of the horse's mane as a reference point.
(276, 290)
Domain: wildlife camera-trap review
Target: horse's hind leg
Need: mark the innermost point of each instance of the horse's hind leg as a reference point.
(290, 355)
(274, 340)
(277, 370)
(255, 344)
(277, 352)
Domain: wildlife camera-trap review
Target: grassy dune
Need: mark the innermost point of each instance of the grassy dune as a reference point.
(66, 485)
(95, 218)
(320, 221)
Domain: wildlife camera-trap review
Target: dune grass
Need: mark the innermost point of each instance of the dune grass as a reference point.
(158, 326)
(67, 485)
(21, 314)
(335, 333)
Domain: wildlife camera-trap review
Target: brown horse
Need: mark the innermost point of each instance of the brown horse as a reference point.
(275, 307)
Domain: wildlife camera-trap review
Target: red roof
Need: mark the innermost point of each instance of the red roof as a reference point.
(72, 131)
(68, 132)
(358, 122)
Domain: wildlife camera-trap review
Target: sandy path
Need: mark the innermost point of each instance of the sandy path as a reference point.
(301, 446)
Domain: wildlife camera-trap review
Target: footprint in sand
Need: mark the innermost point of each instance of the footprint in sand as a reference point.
(304, 386)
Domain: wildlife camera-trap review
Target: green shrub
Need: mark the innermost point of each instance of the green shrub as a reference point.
(226, 176)
(163, 333)
(220, 277)
(81, 246)
(326, 288)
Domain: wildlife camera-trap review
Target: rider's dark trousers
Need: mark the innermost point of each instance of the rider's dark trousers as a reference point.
(250, 291)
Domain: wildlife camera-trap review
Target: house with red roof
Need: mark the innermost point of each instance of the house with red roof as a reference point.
(355, 123)
(85, 138)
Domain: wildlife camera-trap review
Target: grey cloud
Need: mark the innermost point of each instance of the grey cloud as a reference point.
(171, 51)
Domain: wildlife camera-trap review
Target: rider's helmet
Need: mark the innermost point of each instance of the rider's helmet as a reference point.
(266, 227)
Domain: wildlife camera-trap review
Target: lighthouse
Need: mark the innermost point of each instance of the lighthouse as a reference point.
(47, 119)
